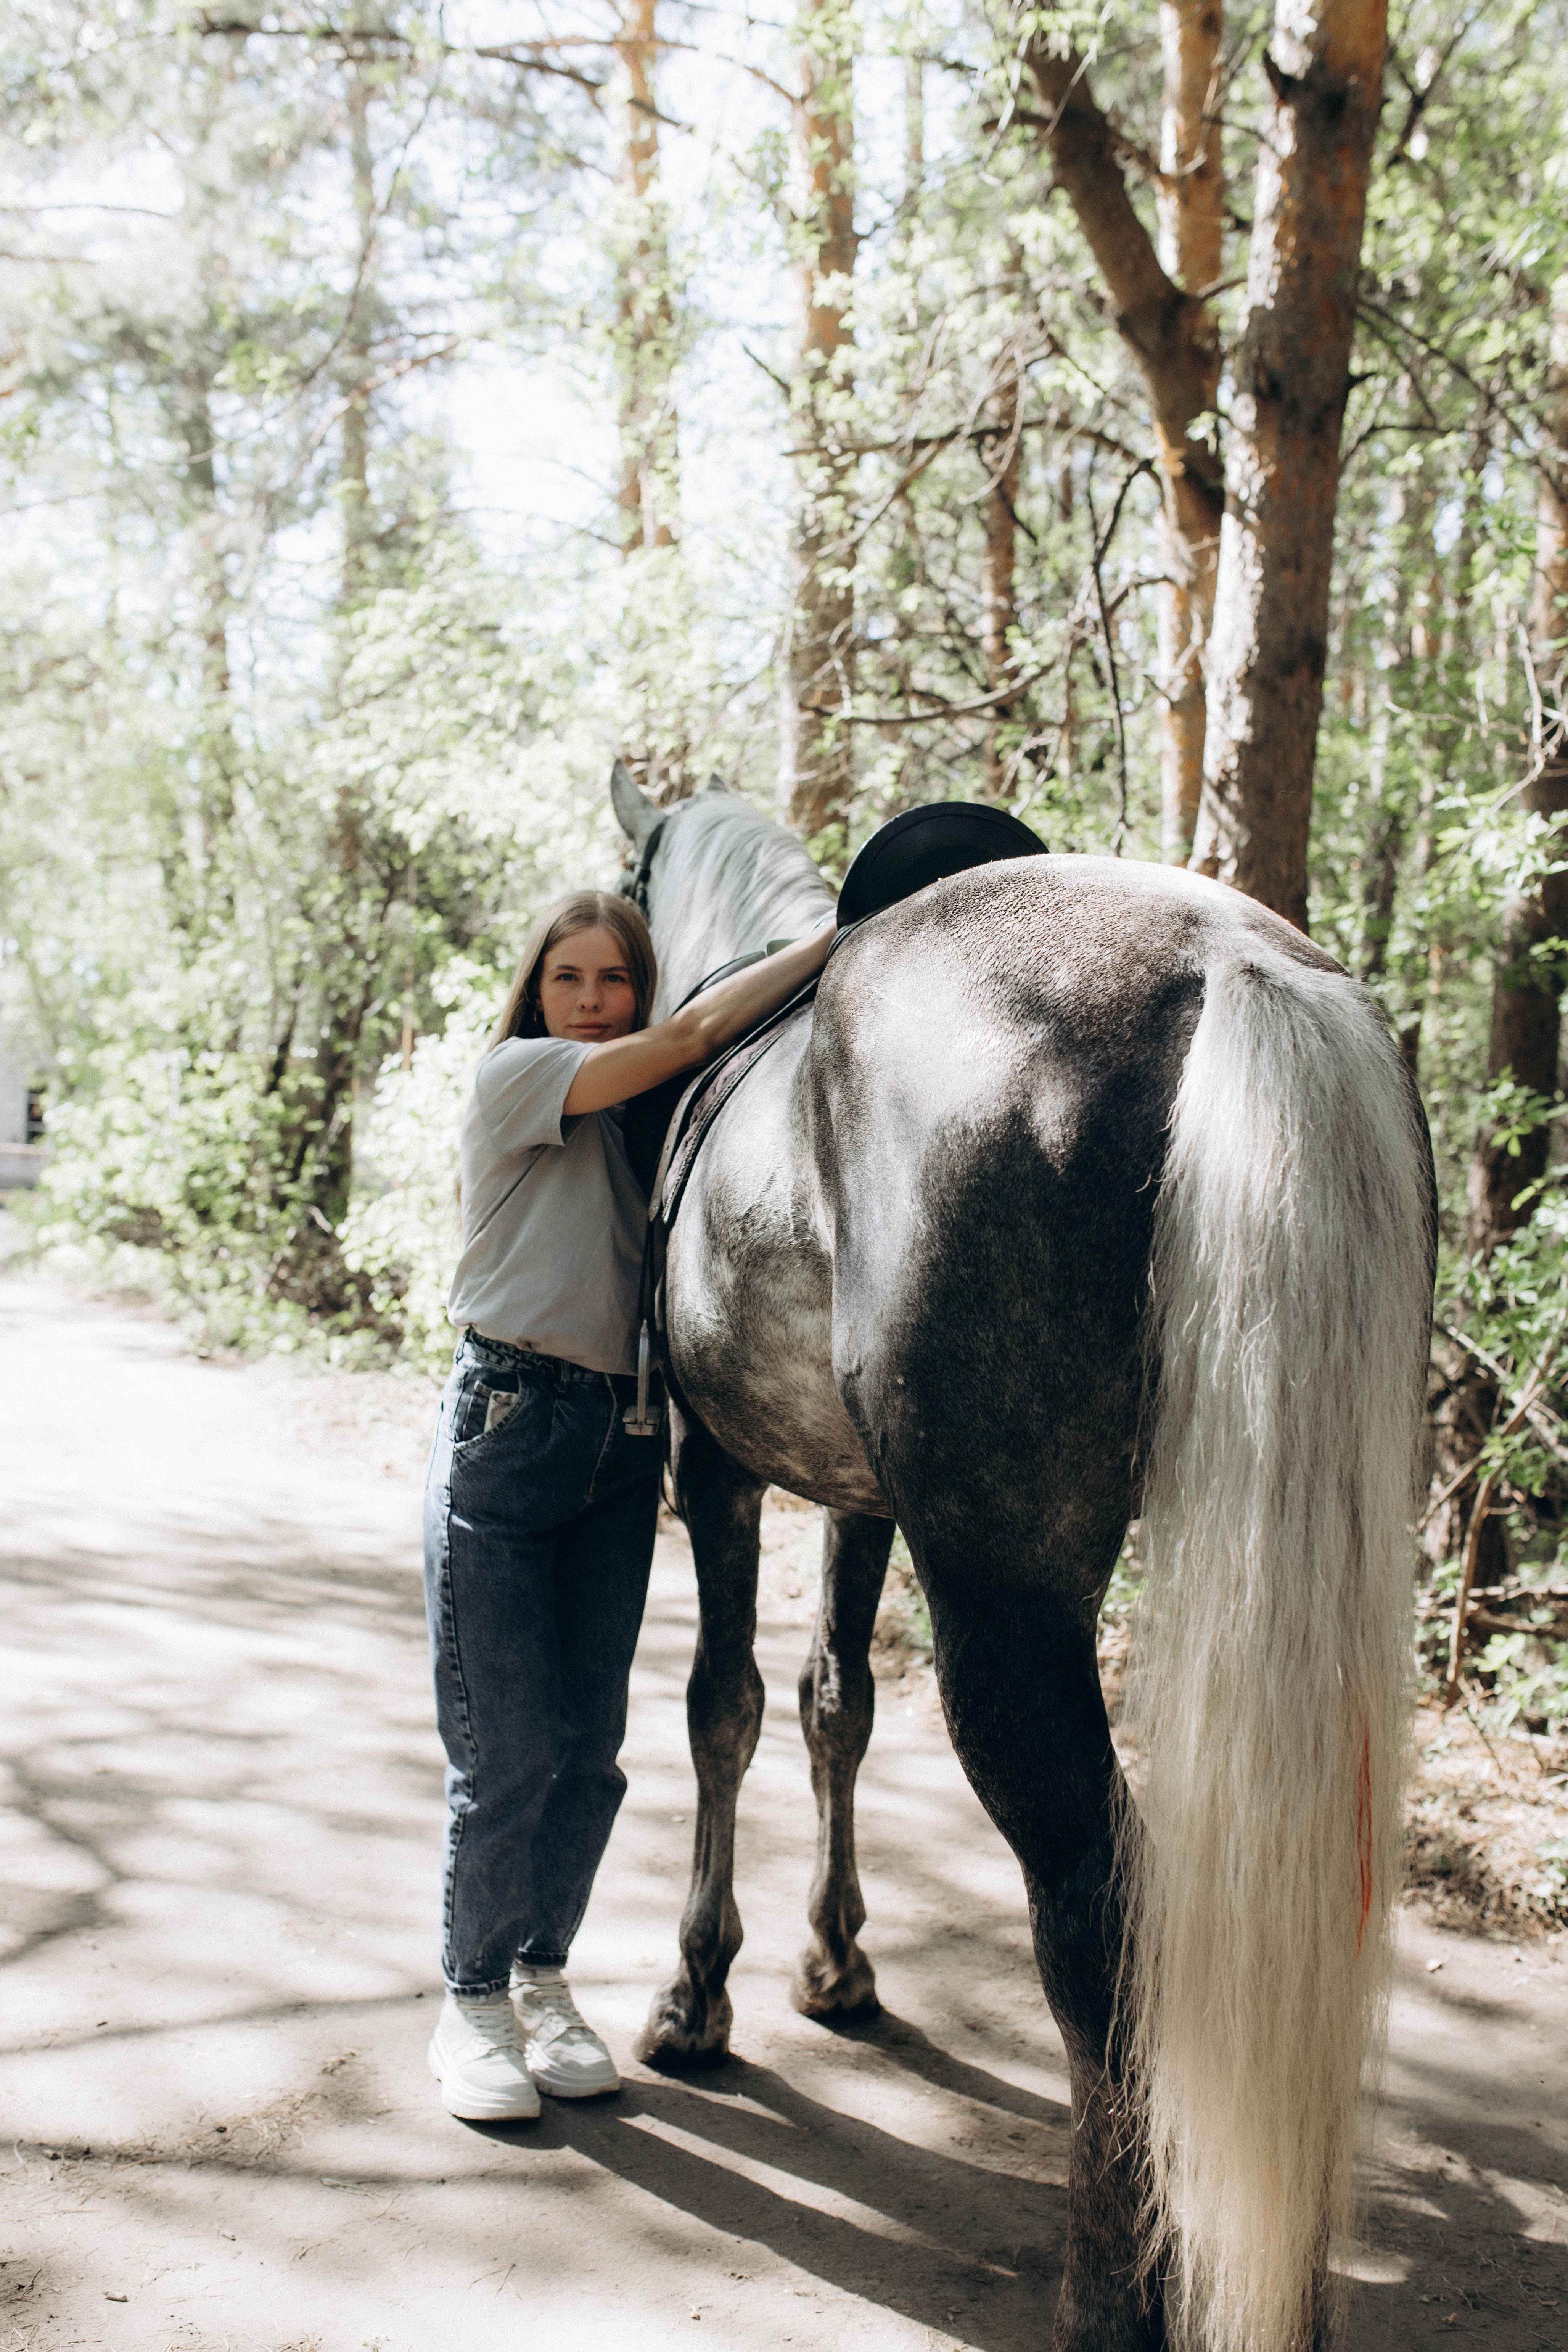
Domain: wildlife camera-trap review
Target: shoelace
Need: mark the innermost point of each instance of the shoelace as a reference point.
(550, 2013)
(494, 2023)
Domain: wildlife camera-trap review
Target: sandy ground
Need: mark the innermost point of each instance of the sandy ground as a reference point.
(220, 1837)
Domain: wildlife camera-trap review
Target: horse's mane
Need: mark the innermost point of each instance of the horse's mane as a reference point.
(726, 880)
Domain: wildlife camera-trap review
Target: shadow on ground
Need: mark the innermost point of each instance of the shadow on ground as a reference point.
(220, 1854)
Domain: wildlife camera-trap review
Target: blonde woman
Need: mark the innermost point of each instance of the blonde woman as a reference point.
(539, 1504)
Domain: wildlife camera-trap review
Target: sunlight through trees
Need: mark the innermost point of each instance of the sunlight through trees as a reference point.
(1150, 417)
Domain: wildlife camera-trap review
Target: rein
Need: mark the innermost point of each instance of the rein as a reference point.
(637, 891)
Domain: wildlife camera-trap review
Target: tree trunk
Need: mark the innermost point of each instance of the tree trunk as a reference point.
(650, 488)
(1406, 641)
(914, 129)
(219, 756)
(998, 600)
(1192, 238)
(1170, 332)
(816, 765)
(327, 1140)
(1292, 379)
(354, 486)
(1527, 989)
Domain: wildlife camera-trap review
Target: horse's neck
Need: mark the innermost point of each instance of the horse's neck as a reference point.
(703, 918)
(695, 941)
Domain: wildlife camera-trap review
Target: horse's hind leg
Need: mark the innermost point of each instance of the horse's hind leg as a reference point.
(836, 1698)
(688, 2024)
(1021, 1691)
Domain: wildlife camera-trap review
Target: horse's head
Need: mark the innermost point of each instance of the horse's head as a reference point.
(715, 879)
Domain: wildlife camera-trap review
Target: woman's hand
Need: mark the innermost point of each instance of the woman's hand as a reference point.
(613, 1073)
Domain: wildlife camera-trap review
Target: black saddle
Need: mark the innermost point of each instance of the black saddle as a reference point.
(926, 845)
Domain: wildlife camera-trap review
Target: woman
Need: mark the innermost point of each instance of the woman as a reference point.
(539, 1504)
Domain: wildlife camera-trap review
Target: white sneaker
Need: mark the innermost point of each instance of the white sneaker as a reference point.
(565, 2056)
(478, 2060)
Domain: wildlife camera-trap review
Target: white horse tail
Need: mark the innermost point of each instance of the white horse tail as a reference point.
(1267, 1701)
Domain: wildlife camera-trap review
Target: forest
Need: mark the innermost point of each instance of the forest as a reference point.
(409, 410)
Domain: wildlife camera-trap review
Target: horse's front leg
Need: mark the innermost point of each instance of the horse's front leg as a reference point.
(688, 2024)
(836, 1699)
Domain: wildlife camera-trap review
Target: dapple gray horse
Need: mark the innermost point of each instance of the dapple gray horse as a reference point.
(1086, 1189)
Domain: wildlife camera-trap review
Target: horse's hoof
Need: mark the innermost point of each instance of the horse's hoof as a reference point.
(685, 2031)
(835, 1989)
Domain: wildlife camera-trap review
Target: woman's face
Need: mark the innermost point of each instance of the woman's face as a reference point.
(585, 991)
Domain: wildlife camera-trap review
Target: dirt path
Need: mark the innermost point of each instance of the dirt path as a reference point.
(219, 1849)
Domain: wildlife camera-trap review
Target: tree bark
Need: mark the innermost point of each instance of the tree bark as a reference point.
(1406, 641)
(914, 129)
(326, 1141)
(816, 765)
(1527, 989)
(219, 756)
(353, 487)
(650, 488)
(1292, 378)
(1171, 334)
(998, 597)
(1192, 241)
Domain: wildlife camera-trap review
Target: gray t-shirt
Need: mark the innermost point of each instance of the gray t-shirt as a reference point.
(553, 1219)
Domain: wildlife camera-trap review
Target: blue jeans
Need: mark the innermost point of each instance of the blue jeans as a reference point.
(538, 1539)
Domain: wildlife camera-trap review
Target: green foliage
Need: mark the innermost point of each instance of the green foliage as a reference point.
(1510, 1315)
(402, 1233)
(296, 738)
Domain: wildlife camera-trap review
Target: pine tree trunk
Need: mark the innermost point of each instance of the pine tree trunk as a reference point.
(649, 490)
(998, 601)
(1172, 335)
(817, 761)
(1292, 377)
(219, 756)
(347, 969)
(914, 130)
(1405, 642)
(1192, 237)
(1527, 989)
(353, 480)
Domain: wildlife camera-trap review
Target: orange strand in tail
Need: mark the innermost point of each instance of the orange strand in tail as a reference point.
(1364, 1837)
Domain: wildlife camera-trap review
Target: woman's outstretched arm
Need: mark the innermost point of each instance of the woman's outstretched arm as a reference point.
(629, 1066)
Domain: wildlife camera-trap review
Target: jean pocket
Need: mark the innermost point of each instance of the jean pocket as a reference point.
(486, 1402)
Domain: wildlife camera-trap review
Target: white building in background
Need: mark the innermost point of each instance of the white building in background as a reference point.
(22, 1151)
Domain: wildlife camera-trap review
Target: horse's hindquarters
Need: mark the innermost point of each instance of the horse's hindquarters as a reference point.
(990, 1097)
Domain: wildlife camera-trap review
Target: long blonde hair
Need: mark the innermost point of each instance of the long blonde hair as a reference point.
(579, 910)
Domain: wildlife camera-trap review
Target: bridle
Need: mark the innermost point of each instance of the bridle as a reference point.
(635, 889)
